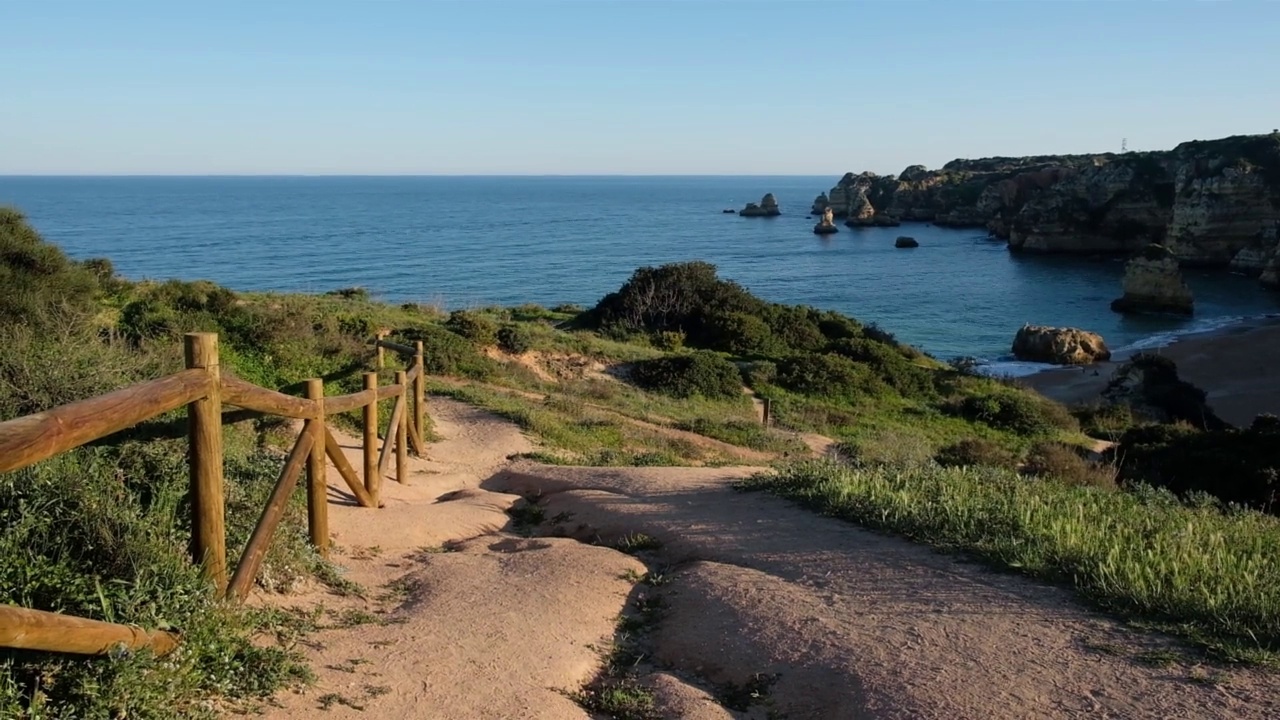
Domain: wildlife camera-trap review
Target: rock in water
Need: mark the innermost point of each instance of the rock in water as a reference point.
(1060, 346)
(827, 225)
(905, 242)
(768, 207)
(861, 212)
(1153, 283)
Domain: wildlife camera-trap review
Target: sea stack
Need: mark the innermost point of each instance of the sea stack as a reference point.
(1060, 346)
(905, 241)
(827, 225)
(1153, 284)
(768, 207)
(861, 212)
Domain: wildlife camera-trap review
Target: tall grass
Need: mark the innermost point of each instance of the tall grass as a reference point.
(1209, 574)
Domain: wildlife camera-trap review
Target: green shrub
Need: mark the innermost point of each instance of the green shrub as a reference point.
(759, 374)
(1017, 411)
(678, 296)
(796, 328)
(889, 364)
(350, 293)
(39, 281)
(976, 451)
(669, 340)
(1064, 463)
(515, 339)
(827, 374)
(1237, 466)
(1106, 421)
(741, 334)
(835, 326)
(445, 353)
(700, 373)
(475, 327)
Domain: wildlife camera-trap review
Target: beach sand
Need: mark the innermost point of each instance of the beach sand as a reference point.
(1238, 366)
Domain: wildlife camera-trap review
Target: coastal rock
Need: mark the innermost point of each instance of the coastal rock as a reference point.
(861, 211)
(827, 225)
(768, 207)
(1207, 201)
(1149, 384)
(904, 241)
(1060, 346)
(820, 204)
(729, 211)
(1153, 283)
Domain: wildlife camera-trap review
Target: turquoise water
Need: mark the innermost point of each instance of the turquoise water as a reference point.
(507, 240)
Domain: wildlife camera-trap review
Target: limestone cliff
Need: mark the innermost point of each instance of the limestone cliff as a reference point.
(1212, 203)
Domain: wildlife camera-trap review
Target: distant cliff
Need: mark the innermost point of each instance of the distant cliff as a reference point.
(1211, 202)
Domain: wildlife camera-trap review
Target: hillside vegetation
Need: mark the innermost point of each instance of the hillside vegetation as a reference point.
(666, 371)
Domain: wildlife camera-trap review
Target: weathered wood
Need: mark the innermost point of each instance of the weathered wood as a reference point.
(317, 485)
(53, 632)
(412, 374)
(28, 440)
(348, 473)
(419, 400)
(245, 394)
(347, 403)
(260, 540)
(372, 480)
(204, 417)
(402, 433)
(384, 460)
(390, 391)
(377, 342)
(398, 347)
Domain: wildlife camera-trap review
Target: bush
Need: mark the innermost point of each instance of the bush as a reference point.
(475, 327)
(827, 374)
(889, 364)
(37, 277)
(1016, 411)
(796, 328)
(700, 373)
(445, 353)
(1236, 466)
(741, 334)
(669, 340)
(678, 296)
(835, 326)
(350, 293)
(515, 339)
(976, 451)
(1064, 463)
(759, 374)
(1105, 421)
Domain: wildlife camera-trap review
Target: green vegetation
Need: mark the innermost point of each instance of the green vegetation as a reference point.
(702, 374)
(1207, 574)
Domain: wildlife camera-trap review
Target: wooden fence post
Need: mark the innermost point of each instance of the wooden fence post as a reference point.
(372, 479)
(768, 412)
(377, 340)
(419, 400)
(317, 486)
(204, 420)
(402, 430)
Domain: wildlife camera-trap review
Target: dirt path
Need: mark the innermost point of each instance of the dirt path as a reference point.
(767, 607)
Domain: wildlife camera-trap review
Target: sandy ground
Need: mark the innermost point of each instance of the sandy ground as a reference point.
(766, 607)
(1238, 367)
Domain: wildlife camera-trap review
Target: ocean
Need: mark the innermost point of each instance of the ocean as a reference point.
(471, 241)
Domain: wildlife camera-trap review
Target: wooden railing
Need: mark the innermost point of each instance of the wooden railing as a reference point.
(204, 388)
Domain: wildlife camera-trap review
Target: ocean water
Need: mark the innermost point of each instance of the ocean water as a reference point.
(469, 241)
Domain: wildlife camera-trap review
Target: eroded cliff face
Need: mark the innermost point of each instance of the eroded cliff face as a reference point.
(1212, 203)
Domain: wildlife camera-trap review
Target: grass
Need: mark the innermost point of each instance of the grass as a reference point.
(1208, 575)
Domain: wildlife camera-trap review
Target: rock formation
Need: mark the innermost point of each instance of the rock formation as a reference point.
(826, 225)
(1060, 346)
(1211, 203)
(905, 242)
(768, 207)
(1153, 283)
(861, 213)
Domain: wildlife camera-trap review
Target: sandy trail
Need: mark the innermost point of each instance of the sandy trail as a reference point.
(820, 618)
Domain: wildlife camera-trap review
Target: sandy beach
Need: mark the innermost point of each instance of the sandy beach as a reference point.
(1238, 366)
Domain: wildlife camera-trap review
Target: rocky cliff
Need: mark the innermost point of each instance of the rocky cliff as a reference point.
(1212, 202)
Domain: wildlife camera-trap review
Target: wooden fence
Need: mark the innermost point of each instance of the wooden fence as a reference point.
(204, 389)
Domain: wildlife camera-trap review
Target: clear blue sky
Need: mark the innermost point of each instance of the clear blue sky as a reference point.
(600, 87)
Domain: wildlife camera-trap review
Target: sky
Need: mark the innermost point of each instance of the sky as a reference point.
(616, 87)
